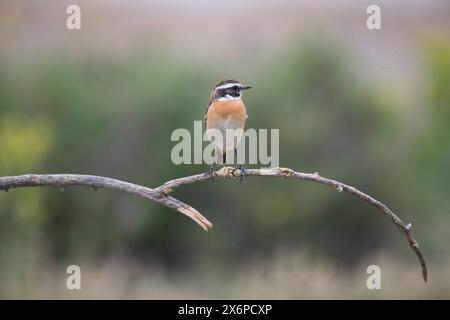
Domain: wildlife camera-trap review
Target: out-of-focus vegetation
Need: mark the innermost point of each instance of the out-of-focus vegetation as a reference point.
(114, 117)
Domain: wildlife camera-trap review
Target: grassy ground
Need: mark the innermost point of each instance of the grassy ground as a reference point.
(286, 275)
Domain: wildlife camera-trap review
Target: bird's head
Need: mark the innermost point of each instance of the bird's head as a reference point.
(228, 90)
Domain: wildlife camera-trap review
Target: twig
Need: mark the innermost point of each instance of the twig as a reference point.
(161, 194)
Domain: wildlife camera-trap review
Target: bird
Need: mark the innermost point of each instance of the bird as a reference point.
(225, 111)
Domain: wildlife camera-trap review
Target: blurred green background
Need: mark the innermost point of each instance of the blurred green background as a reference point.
(369, 108)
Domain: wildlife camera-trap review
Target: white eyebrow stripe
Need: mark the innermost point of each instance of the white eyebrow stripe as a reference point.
(229, 85)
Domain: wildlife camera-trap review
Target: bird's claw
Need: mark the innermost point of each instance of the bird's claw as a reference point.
(242, 171)
(211, 172)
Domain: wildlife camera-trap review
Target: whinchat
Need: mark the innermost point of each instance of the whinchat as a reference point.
(225, 119)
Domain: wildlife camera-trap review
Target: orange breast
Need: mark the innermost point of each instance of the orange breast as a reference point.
(229, 111)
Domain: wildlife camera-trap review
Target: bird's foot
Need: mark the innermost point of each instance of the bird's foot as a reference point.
(211, 172)
(242, 171)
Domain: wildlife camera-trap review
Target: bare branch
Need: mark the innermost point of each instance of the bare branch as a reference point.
(96, 182)
(161, 194)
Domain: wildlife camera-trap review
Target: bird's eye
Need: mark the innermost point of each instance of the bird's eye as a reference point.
(236, 88)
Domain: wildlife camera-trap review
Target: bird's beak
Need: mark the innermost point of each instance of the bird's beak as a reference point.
(246, 87)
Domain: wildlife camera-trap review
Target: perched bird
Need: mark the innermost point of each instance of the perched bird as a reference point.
(225, 111)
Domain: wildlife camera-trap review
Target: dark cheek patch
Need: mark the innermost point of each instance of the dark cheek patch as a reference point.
(232, 92)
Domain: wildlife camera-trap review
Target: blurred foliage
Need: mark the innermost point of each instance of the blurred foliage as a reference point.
(435, 154)
(114, 117)
(23, 144)
(427, 168)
